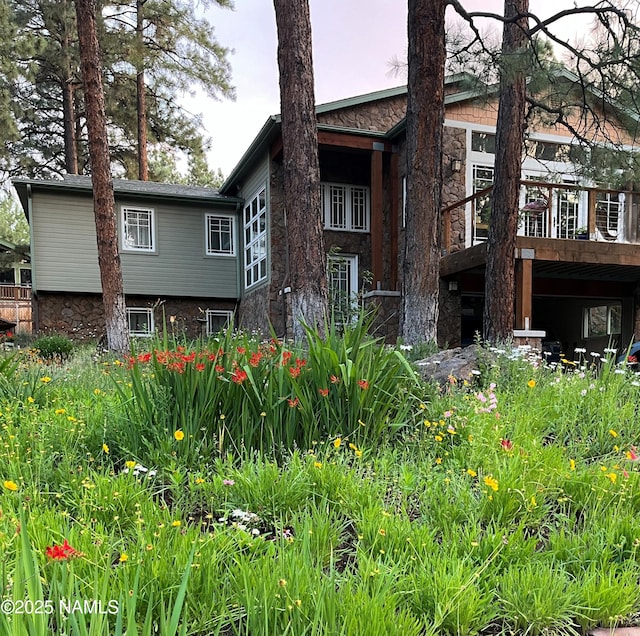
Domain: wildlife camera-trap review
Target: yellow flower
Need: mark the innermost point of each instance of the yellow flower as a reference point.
(438, 438)
(10, 485)
(179, 435)
(438, 460)
(105, 448)
(123, 558)
(130, 463)
(60, 411)
(317, 464)
(149, 547)
(572, 464)
(531, 384)
(382, 532)
(30, 400)
(491, 482)
(176, 523)
(97, 391)
(358, 453)
(337, 442)
(613, 433)
(471, 472)
(46, 379)
(282, 582)
(352, 446)
(199, 480)
(612, 476)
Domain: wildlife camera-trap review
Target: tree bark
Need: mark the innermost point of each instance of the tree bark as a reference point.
(425, 121)
(499, 305)
(68, 105)
(143, 163)
(103, 197)
(307, 256)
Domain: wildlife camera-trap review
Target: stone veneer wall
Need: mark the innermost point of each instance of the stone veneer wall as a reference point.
(453, 185)
(81, 316)
(380, 115)
(449, 317)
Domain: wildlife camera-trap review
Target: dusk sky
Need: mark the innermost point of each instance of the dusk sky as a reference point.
(354, 42)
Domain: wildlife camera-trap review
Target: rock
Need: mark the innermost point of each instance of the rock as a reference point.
(459, 363)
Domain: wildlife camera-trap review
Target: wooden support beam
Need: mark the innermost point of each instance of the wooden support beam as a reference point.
(376, 219)
(346, 140)
(591, 212)
(393, 223)
(524, 293)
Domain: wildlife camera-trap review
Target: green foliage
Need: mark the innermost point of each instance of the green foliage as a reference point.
(53, 348)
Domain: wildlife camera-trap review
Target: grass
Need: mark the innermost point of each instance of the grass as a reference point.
(338, 494)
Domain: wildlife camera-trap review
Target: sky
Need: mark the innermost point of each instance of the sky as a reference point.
(354, 43)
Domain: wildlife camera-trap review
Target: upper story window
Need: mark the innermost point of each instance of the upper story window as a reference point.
(220, 233)
(483, 142)
(345, 207)
(255, 239)
(138, 229)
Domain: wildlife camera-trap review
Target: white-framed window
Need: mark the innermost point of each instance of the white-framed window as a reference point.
(255, 239)
(140, 321)
(342, 279)
(218, 319)
(602, 320)
(481, 206)
(220, 233)
(138, 229)
(345, 207)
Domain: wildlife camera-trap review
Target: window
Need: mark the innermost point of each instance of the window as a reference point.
(218, 319)
(568, 213)
(343, 286)
(255, 239)
(482, 178)
(345, 207)
(140, 321)
(608, 208)
(25, 277)
(483, 142)
(7, 276)
(603, 320)
(220, 235)
(138, 230)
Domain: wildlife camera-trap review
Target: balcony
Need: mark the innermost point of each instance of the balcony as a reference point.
(15, 293)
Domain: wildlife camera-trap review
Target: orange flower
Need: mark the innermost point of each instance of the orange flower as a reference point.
(323, 392)
(363, 384)
(293, 403)
(239, 376)
(294, 371)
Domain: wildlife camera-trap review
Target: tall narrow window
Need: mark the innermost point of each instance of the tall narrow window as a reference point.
(343, 286)
(482, 179)
(220, 235)
(138, 229)
(255, 239)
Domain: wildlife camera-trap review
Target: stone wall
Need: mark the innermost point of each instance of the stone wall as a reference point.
(449, 317)
(81, 316)
(381, 115)
(454, 146)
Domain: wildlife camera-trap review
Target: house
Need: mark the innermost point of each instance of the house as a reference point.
(579, 292)
(15, 287)
(178, 247)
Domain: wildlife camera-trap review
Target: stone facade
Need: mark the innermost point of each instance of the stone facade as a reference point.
(449, 317)
(380, 115)
(454, 145)
(81, 316)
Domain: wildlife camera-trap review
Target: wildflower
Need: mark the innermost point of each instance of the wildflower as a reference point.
(200, 366)
(61, 552)
(219, 368)
(506, 444)
(438, 438)
(352, 446)
(323, 392)
(123, 558)
(179, 435)
(293, 403)
(282, 582)
(199, 480)
(632, 455)
(10, 485)
(491, 482)
(239, 376)
(45, 380)
(531, 384)
(363, 384)
(317, 464)
(105, 448)
(130, 463)
(334, 379)
(254, 360)
(471, 472)
(60, 411)
(176, 523)
(438, 460)
(382, 532)
(572, 464)
(358, 453)
(612, 476)
(337, 442)
(294, 372)
(228, 482)
(613, 433)
(30, 400)
(447, 414)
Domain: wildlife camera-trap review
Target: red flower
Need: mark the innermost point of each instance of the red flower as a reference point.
(239, 376)
(219, 368)
(241, 350)
(507, 444)
(632, 360)
(255, 359)
(293, 403)
(62, 552)
(323, 392)
(285, 356)
(200, 366)
(190, 358)
(363, 384)
(334, 379)
(300, 363)
(144, 357)
(294, 371)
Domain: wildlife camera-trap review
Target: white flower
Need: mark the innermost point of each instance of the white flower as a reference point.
(580, 350)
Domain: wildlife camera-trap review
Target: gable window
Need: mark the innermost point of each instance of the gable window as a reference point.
(218, 319)
(342, 281)
(138, 229)
(255, 239)
(345, 207)
(140, 321)
(220, 234)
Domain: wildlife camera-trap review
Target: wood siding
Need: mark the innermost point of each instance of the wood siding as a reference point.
(65, 254)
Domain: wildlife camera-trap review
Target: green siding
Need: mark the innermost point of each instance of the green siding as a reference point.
(65, 254)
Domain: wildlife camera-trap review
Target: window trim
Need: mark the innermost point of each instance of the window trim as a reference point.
(349, 225)
(125, 247)
(228, 313)
(611, 330)
(207, 248)
(354, 262)
(254, 241)
(151, 321)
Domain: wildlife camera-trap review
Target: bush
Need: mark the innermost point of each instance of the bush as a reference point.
(54, 347)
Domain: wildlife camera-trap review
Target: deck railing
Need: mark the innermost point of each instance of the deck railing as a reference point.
(15, 292)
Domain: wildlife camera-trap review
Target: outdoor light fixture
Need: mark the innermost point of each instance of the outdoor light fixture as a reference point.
(456, 165)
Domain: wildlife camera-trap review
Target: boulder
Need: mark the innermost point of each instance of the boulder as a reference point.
(459, 363)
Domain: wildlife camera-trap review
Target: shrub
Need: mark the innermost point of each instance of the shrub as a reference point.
(54, 347)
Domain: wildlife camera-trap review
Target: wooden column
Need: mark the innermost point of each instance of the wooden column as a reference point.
(376, 219)
(524, 293)
(393, 230)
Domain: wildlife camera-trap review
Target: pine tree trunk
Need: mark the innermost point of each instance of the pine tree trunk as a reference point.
(143, 164)
(103, 197)
(499, 306)
(68, 109)
(425, 121)
(307, 255)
